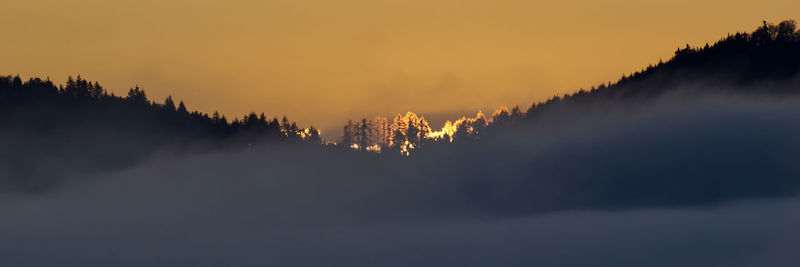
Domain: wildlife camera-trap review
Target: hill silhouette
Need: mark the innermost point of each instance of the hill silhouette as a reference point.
(763, 63)
(694, 157)
(52, 122)
(81, 127)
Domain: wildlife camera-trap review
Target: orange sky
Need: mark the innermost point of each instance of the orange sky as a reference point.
(321, 61)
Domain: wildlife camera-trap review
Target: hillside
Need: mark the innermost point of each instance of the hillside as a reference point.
(763, 63)
(82, 126)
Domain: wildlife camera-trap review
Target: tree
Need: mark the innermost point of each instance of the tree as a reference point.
(398, 129)
(251, 120)
(786, 31)
(501, 115)
(313, 135)
(285, 125)
(97, 91)
(17, 82)
(516, 112)
(137, 96)
(182, 108)
(763, 35)
(349, 132)
(380, 132)
(214, 118)
(169, 105)
(363, 134)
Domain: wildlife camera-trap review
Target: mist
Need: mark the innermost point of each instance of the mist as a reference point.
(700, 181)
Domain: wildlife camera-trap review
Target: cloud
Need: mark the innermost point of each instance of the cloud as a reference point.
(221, 227)
(707, 181)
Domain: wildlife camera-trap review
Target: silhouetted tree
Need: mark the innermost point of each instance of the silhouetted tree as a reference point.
(182, 108)
(169, 105)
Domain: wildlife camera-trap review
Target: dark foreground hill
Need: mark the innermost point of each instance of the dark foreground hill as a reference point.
(81, 126)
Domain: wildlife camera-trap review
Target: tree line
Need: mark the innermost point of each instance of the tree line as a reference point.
(768, 54)
(739, 63)
(41, 102)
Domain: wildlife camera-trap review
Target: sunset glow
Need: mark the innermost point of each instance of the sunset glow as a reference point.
(322, 62)
(385, 133)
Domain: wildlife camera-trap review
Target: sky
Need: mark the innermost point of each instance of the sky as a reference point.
(321, 62)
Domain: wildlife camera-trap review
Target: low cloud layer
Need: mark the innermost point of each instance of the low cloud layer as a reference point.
(706, 182)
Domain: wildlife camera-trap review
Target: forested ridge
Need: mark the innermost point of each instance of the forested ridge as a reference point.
(741, 63)
(41, 105)
(715, 125)
(83, 126)
(765, 62)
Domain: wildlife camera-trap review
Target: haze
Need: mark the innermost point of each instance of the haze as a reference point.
(322, 62)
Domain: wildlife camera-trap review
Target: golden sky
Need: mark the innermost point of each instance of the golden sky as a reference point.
(323, 61)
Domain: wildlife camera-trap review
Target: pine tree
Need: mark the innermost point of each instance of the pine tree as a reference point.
(169, 104)
(182, 108)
